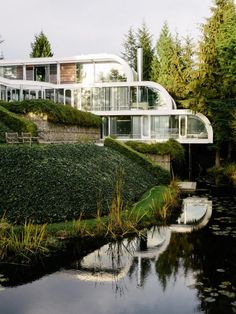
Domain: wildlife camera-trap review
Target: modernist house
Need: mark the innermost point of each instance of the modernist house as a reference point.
(105, 85)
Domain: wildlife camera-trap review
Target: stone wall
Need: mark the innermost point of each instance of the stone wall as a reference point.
(58, 133)
(163, 161)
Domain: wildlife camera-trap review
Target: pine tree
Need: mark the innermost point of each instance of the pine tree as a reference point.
(144, 40)
(130, 48)
(172, 64)
(162, 61)
(216, 73)
(211, 74)
(41, 47)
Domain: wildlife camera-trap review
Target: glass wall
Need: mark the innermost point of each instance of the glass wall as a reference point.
(53, 73)
(145, 98)
(121, 126)
(60, 96)
(160, 127)
(109, 72)
(117, 98)
(196, 128)
(12, 72)
(99, 72)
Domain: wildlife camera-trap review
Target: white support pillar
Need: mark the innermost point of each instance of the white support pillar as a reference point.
(58, 73)
(24, 72)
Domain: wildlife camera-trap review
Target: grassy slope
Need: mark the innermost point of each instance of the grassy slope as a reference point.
(57, 183)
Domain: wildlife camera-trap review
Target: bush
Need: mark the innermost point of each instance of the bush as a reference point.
(162, 175)
(56, 113)
(11, 122)
(171, 147)
(57, 182)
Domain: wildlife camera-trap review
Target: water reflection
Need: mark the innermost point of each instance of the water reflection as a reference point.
(163, 272)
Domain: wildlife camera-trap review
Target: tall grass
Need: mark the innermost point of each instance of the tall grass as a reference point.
(170, 202)
(24, 241)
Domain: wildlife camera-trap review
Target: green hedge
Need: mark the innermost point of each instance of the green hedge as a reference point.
(171, 147)
(49, 183)
(56, 113)
(11, 122)
(162, 174)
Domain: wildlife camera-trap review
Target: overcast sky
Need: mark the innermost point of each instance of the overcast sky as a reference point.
(76, 27)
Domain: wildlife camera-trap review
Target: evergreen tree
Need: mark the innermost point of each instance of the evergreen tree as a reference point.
(216, 73)
(130, 49)
(144, 40)
(41, 47)
(225, 44)
(160, 68)
(141, 38)
(172, 65)
(1, 54)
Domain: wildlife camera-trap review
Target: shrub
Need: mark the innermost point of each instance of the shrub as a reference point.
(162, 175)
(56, 113)
(57, 182)
(171, 147)
(13, 123)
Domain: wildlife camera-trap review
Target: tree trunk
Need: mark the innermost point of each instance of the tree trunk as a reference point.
(217, 158)
(229, 153)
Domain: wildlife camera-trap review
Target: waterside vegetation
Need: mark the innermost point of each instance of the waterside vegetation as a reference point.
(26, 243)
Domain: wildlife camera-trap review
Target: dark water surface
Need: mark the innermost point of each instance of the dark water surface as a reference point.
(164, 273)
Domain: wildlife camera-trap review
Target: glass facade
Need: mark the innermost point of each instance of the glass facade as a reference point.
(99, 72)
(12, 72)
(117, 98)
(155, 127)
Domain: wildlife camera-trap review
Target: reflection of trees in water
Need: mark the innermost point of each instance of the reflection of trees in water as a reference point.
(180, 253)
(140, 269)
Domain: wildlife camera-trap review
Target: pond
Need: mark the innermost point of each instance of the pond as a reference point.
(163, 272)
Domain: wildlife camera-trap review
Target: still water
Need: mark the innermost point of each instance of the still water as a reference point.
(165, 272)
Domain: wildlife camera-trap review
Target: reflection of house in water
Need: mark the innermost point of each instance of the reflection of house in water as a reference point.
(114, 261)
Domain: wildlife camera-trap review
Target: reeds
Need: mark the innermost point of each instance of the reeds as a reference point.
(26, 241)
(170, 201)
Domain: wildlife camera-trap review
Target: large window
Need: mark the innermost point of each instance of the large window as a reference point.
(12, 72)
(196, 128)
(53, 74)
(121, 126)
(160, 127)
(109, 72)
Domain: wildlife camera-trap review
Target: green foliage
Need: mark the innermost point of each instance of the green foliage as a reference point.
(140, 38)
(3, 129)
(213, 76)
(220, 114)
(230, 172)
(225, 45)
(41, 47)
(172, 64)
(144, 39)
(56, 113)
(23, 243)
(130, 48)
(171, 147)
(11, 122)
(57, 183)
(162, 175)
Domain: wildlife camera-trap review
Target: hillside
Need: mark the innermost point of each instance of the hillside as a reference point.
(55, 183)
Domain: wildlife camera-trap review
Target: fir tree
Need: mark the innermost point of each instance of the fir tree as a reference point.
(144, 40)
(130, 49)
(41, 47)
(216, 73)
(141, 38)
